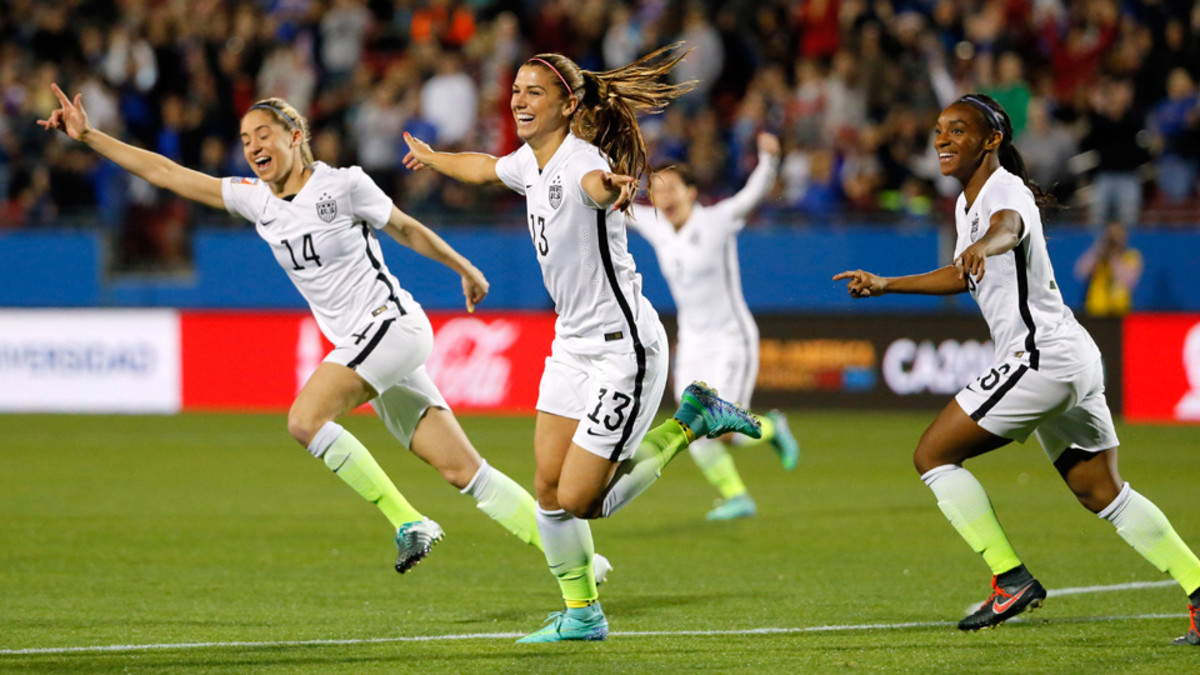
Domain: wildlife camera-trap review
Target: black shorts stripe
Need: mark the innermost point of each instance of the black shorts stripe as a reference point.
(639, 350)
(1023, 305)
(367, 236)
(999, 393)
(366, 351)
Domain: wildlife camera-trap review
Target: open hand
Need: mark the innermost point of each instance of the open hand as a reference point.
(863, 284)
(971, 262)
(70, 118)
(625, 185)
(419, 153)
(768, 143)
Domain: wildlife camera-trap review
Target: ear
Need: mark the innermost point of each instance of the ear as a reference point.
(994, 140)
(570, 106)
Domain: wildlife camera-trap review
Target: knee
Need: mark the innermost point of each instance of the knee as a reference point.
(580, 506)
(459, 474)
(303, 427)
(546, 493)
(1095, 496)
(925, 458)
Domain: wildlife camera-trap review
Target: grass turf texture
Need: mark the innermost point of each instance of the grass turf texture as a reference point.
(219, 528)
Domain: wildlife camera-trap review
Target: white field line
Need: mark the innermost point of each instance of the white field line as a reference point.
(29, 651)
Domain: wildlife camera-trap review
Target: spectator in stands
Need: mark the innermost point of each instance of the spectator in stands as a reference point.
(448, 101)
(1047, 144)
(1110, 270)
(1174, 124)
(1114, 128)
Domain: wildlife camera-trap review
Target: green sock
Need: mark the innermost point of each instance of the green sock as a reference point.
(353, 463)
(718, 468)
(1140, 523)
(637, 473)
(962, 499)
(505, 502)
(567, 542)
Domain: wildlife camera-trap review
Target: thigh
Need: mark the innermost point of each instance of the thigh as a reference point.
(953, 438)
(551, 441)
(1087, 426)
(441, 442)
(385, 352)
(1011, 399)
(331, 391)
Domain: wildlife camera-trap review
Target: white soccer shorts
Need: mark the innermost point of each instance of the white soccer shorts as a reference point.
(727, 367)
(615, 396)
(1012, 400)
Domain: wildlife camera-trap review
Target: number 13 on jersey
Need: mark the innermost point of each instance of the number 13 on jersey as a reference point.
(537, 231)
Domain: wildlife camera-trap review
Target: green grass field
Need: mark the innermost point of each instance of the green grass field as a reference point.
(212, 543)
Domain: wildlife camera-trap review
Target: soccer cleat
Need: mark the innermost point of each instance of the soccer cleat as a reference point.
(783, 441)
(576, 623)
(601, 567)
(1017, 594)
(741, 506)
(707, 415)
(415, 540)
(1193, 635)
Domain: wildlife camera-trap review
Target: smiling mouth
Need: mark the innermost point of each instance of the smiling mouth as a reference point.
(262, 163)
(524, 118)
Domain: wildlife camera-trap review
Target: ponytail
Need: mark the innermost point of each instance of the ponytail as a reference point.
(610, 101)
(1010, 158)
(289, 118)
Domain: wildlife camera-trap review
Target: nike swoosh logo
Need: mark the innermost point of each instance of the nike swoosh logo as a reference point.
(266, 223)
(592, 433)
(1001, 607)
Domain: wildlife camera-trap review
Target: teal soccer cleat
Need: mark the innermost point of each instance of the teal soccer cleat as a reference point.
(576, 623)
(741, 506)
(415, 540)
(707, 415)
(783, 441)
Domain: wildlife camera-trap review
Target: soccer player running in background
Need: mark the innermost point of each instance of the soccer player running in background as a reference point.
(321, 224)
(1047, 379)
(607, 371)
(717, 337)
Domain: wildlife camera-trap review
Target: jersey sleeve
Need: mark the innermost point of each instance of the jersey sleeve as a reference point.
(508, 170)
(581, 165)
(368, 201)
(1013, 197)
(735, 210)
(243, 196)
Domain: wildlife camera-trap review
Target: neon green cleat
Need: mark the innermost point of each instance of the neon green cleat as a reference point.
(741, 506)
(708, 415)
(576, 623)
(783, 441)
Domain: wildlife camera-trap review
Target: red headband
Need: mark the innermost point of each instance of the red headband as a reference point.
(560, 77)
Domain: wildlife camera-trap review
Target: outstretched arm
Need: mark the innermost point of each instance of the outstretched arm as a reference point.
(943, 281)
(72, 120)
(468, 167)
(609, 189)
(411, 233)
(759, 183)
(1004, 233)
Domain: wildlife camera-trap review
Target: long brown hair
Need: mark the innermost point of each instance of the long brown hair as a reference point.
(286, 116)
(609, 102)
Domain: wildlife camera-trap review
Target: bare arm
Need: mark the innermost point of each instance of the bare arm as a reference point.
(158, 170)
(1004, 233)
(942, 281)
(468, 167)
(411, 233)
(608, 189)
(760, 181)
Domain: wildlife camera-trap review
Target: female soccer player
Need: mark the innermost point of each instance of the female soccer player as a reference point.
(1047, 379)
(717, 339)
(321, 225)
(606, 373)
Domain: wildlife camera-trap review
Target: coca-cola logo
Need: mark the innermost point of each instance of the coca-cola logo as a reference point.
(469, 363)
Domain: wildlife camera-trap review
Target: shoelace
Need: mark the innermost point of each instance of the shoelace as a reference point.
(996, 590)
(1193, 611)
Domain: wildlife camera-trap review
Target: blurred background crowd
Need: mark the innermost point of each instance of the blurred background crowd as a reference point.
(1102, 96)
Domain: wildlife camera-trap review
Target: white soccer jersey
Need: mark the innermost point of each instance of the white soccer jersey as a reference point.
(324, 238)
(700, 262)
(1018, 296)
(582, 250)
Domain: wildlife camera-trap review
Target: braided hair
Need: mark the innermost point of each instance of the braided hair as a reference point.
(995, 117)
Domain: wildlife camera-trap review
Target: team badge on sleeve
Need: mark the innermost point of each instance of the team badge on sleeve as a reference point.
(327, 209)
(556, 192)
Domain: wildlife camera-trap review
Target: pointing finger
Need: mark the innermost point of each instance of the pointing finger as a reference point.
(62, 98)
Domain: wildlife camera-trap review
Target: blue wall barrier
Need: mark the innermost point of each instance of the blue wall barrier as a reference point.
(783, 270)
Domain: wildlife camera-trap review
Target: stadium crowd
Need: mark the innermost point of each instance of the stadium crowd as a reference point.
(1102, 94)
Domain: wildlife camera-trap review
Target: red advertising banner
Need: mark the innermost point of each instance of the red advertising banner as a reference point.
(259, 360)
(1162, 367)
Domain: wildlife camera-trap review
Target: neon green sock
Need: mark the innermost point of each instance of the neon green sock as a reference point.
(353, 463)
(965, 504)
(505, 502)
(718, 468)
(569, 549)
(637, 473)
(1144, 527)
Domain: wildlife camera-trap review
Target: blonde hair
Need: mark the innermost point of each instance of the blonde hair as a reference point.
(609, 102)
(286, 115)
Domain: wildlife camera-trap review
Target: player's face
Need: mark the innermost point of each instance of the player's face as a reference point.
(960, 139)
(537, 103)
(267, 146)
(672, 197)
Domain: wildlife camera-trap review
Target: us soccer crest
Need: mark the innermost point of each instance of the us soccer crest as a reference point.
(327, 209)
(974, 226)
(556, 192)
